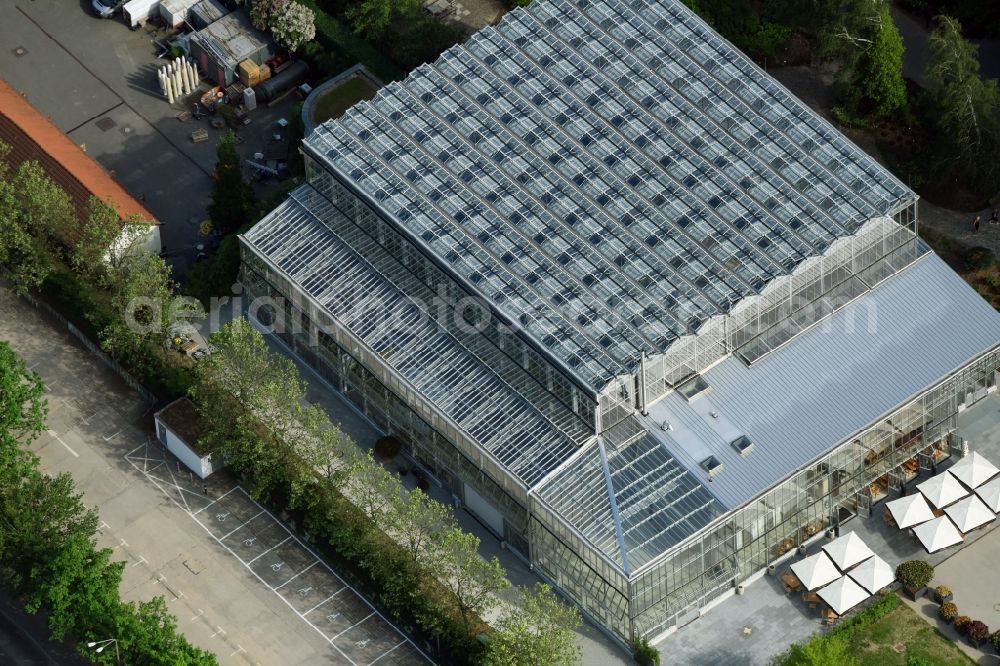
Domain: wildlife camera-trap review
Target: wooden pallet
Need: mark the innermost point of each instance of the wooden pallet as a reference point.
(199, 135)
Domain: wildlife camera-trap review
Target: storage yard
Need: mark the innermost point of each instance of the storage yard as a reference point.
(100, 84)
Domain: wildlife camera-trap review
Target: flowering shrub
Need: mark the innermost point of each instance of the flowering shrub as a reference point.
(995, 640)
(948, 611)
(264, 12)
(942, 591)
(961, 621)
(293, 26)
(977, 631)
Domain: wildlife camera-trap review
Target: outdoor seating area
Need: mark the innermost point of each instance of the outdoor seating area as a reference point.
(839, 577)
(950, 504)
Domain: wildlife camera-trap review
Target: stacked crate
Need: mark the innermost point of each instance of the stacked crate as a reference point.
(249, 73)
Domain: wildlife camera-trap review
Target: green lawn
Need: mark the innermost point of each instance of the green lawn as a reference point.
(338, 99)
(876, 645)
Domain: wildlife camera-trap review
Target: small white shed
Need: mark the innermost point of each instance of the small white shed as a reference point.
(178, 428)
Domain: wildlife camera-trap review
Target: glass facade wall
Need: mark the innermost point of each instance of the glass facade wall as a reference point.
(849, 478)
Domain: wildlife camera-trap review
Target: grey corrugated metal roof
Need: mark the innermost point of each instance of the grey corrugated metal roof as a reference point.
(232, 39)
(830, 382)
(609, 174)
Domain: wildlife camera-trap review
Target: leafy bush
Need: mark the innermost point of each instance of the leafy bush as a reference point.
(867, 617)
(960, 622)
(995, 640)
(645, 654)
(942, 591)
(977, 631)
(344, 46)
(948, 611)
(914, 574)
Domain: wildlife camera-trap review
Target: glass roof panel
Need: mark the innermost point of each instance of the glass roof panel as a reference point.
(608, 159)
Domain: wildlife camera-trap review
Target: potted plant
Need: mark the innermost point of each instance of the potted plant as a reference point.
(995, 640)
(948, 611)
(960, 623)
(387, 448)
(645, 654)
(914, 576)
(977, 632)
(942, 593)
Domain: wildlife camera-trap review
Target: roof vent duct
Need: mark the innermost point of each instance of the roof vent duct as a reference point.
(743, 445)
(711, 465)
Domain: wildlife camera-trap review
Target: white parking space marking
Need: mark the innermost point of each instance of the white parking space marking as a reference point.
(296, 576)
(276, 566)
(68, 447)
(385, 654)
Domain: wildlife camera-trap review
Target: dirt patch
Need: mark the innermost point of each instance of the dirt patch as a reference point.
(473, 15)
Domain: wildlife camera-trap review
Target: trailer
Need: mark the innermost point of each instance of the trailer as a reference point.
(137, 12)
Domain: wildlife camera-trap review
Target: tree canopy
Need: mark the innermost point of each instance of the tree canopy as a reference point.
(33, 209)
(231, 195)
(966, 106)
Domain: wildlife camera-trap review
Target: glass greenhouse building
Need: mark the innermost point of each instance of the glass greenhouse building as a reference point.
(651, 319)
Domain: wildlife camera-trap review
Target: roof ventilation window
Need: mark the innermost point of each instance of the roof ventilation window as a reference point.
(694, 388)
(743, 445)
(711, 465)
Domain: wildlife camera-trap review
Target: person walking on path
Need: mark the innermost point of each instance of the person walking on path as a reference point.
(995, 216)
(975, 224)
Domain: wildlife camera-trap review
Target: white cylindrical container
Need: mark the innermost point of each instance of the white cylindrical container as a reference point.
(170, 91)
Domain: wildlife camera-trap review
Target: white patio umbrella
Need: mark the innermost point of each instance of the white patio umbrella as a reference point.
(910, 510)
(969, 513)
(973, 470)
(843, 594)
(848, 550)
(873, 574)
(942, 489)
(815, 571)
(937, 534)
(989, 492)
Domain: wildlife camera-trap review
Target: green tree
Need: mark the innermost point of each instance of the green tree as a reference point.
(78, 587)
(250, 400)
(414, 519)
(33, 208)
(147, 634)
(106, 243)
(231, 195)
(372, 18)
(878, 73)
(372, 488)
(23, 408)
(142, 297)
(473, 580)
(823, 650)
(966, 106)
(540, 629)
(38, 514)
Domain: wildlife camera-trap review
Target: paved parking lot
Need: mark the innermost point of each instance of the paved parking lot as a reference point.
(281, 562)
(94, 426)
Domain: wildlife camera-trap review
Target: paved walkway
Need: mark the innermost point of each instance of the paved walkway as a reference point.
(776, 619)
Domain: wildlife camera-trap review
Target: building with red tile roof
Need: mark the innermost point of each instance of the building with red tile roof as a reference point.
(32, 136)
